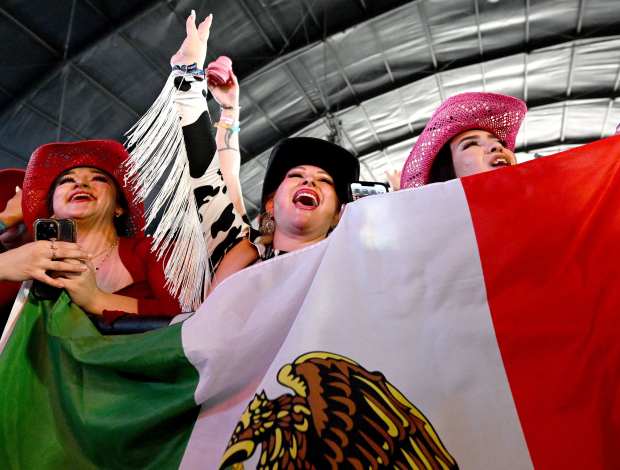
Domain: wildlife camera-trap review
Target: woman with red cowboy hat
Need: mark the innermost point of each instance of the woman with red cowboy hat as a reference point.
(469, 133)
(306, 183)
(110, 269)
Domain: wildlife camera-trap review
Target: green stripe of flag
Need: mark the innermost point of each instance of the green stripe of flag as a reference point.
(72, 398)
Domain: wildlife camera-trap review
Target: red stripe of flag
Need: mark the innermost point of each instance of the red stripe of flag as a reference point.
(549, 241)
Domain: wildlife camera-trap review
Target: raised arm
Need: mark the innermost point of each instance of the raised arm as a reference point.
(214, 170)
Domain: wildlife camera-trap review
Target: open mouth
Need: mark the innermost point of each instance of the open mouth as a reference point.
(306, 199)
(81, 197)
(500, 161)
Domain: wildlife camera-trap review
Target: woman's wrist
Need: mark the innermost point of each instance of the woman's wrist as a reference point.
(230, 112)
(96, 304)
(193, 69)
(7, 221)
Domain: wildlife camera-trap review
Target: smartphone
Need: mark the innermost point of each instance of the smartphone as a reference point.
(58, 230)
(360, 189)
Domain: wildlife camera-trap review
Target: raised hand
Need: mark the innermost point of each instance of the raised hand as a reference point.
(194, 46)
(12, 213)
(393, 177)
(227, 95)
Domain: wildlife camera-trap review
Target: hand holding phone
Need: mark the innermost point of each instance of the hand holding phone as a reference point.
(53, 230)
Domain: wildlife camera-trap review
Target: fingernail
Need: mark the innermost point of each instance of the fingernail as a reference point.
(17, 189)
(193, 14)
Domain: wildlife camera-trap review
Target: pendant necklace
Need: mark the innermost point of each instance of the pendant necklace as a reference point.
(107, 255)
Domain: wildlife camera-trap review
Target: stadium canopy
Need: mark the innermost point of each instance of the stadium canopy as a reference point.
(365, 73)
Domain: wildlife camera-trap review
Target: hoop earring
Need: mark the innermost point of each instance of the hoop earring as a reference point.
(267, 224)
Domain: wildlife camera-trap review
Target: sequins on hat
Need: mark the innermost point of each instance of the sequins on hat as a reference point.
(499, 114)
(49, 161)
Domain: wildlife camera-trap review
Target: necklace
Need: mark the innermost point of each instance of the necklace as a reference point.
(108, 252)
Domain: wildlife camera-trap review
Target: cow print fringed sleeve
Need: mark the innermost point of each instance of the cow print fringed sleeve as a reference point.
(222, 226)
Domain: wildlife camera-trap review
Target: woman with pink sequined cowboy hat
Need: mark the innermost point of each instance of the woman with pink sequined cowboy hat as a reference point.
(469, 133)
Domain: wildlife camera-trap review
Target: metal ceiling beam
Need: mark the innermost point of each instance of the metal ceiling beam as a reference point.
(403, 82)
(362, 5)
(525, 91)
(431, 49)
(12, 154)
(49, 118)
(31, 34)
(611, 103)
(264, 113)
(353, 92)
(554, 143)
(480, 48)
(532, 105)
(142, 53)
(526, 47)
(580, 15)
(28, 94)
(527, 21)
(571, 67)
(526, 34)
(259, 28)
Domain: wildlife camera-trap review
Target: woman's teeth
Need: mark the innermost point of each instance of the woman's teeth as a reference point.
(306, 198)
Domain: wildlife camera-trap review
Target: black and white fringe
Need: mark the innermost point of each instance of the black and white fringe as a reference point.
(159, 171)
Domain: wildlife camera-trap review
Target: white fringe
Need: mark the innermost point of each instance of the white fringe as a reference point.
(158, 146)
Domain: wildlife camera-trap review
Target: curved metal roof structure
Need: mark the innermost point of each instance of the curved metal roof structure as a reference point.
(368, 73)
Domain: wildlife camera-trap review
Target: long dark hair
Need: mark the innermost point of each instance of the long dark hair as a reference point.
(442, 168)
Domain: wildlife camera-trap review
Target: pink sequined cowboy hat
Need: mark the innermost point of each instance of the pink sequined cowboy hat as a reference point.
(49, 161)
(499, 114)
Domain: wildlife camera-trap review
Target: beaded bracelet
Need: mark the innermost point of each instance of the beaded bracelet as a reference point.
(231, 127)
(191, 69)
(228, 120)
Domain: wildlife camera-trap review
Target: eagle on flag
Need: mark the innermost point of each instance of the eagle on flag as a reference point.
(340, 415)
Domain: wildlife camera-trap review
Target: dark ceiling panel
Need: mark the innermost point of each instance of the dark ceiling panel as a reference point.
(50, 21)
(119, 67)
(24, 132)
(23, 59)
(87, 110)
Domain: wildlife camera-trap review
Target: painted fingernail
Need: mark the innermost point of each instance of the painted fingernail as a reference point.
(193, 14)
(17, 189)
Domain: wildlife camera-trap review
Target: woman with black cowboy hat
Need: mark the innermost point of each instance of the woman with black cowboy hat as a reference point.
(469, 133)
(306, 183)
(110, 270)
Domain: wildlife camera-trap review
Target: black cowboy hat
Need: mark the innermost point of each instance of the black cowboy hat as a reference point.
(338, 162)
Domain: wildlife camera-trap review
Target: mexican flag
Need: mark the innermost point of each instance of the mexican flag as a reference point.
(471, 324)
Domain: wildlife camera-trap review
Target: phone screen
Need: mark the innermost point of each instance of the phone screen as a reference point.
(58, 230)
(360, 189)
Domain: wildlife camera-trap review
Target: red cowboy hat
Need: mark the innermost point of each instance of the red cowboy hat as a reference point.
(9, 178)
(49, 161)
(499, 114)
